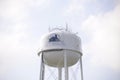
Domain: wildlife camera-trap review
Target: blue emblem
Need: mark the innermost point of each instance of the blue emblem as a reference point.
(54, 38)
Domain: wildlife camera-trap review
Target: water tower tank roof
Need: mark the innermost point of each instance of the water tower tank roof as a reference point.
(60, 39)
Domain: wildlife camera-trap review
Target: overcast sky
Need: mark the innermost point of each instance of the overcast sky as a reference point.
(23, 22)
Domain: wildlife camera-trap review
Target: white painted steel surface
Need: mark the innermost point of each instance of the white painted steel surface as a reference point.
(53, 45)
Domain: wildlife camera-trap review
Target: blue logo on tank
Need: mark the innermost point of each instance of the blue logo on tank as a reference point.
(54, 38)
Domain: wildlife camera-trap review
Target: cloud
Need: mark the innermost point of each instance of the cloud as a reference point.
(74, 8)
(12, 9)
(84, 8)
(15, 49)
(17, 54)
(104, 45)
(18, 9)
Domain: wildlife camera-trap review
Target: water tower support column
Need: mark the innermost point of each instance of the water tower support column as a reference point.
(42, 67)
(81, 67)
(59, 73)
(65, 65)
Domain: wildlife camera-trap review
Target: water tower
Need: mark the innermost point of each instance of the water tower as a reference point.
(60, 49)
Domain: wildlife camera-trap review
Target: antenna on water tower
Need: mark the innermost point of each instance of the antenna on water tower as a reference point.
(61, 50)
(66, 27)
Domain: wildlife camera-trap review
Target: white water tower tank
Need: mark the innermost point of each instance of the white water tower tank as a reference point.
(54, 44)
